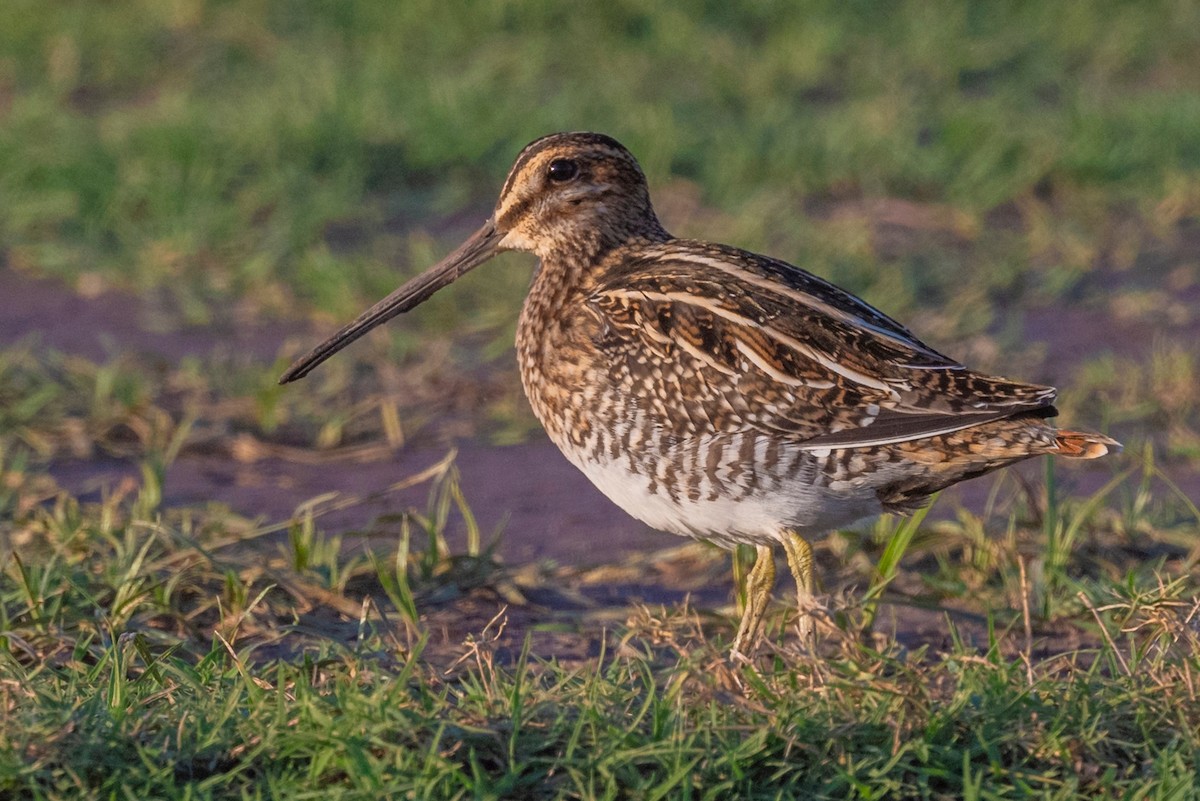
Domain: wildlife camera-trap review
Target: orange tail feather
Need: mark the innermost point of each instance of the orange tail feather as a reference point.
(1084, 445)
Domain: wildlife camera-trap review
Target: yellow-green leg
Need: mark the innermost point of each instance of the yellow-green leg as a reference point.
(759, 582)
(800, 560)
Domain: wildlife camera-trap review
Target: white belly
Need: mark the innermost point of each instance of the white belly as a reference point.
(760, 518)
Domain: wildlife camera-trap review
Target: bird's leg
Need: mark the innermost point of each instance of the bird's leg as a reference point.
(800, 560)
(759, 582)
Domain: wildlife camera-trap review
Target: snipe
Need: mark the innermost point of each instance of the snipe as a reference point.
(717, 393)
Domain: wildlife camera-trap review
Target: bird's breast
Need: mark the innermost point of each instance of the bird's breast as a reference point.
(560, 366)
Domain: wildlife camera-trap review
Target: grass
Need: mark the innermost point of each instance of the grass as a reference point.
(501, 732)
(269, 153)
(149, 653)
(967, 167)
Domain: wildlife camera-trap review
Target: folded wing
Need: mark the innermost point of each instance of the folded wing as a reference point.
(780, 350)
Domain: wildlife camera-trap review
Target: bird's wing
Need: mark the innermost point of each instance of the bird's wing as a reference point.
(776, 348)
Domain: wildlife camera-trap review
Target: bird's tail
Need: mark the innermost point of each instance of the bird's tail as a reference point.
(1084, 445)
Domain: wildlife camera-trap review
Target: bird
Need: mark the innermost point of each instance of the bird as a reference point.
(720, 394)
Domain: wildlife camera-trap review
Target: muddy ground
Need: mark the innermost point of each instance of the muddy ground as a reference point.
(548, 513)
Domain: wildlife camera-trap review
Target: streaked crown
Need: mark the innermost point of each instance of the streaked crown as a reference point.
(575, 193)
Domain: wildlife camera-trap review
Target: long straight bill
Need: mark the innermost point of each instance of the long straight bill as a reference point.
(481, 246)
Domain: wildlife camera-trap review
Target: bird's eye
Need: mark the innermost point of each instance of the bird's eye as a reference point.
(562, 170)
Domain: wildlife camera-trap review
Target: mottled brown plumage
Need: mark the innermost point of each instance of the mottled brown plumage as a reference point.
(717, 393)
